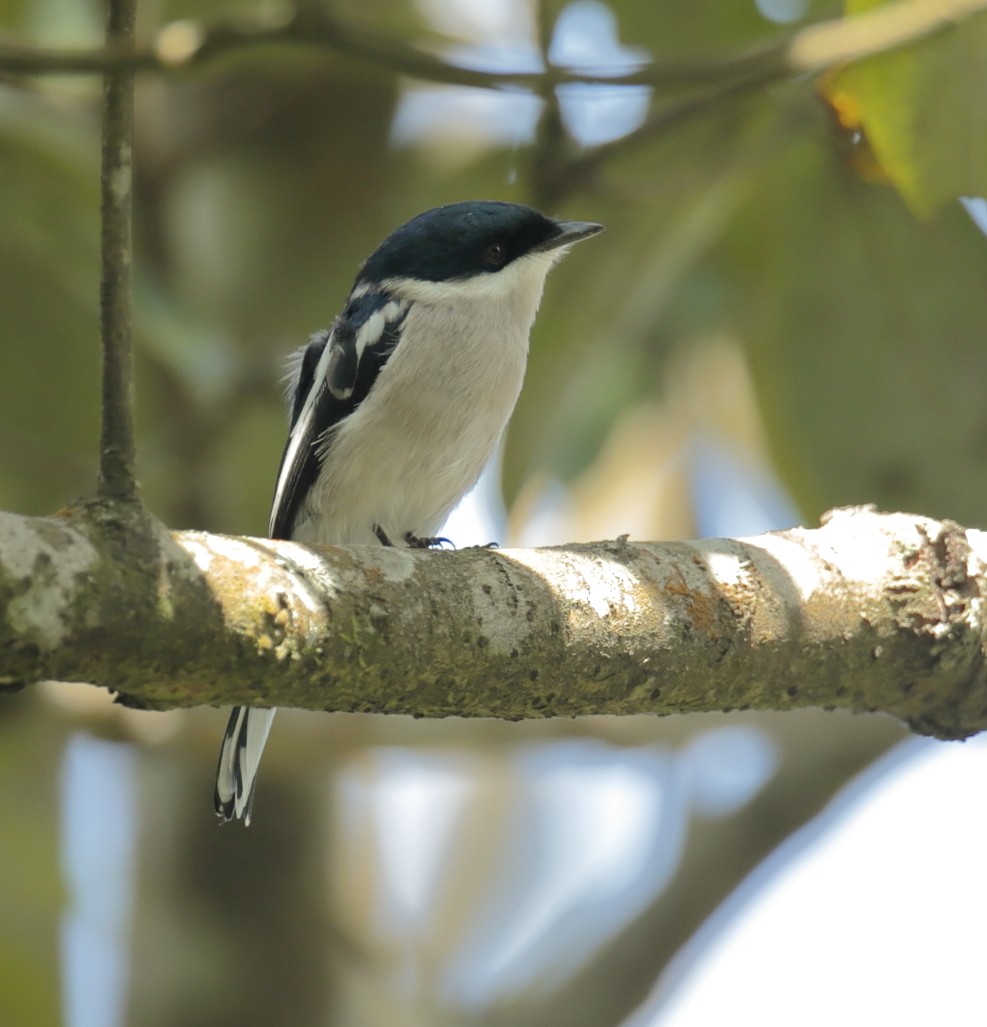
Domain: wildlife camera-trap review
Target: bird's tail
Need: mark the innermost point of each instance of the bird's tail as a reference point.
(239, 756)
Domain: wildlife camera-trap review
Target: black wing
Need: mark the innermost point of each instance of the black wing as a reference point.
(338, 369)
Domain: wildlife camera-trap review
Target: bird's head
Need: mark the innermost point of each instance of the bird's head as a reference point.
(479, 248)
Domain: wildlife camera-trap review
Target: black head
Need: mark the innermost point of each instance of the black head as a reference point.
(467, 239)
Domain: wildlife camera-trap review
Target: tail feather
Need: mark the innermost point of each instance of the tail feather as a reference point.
(239, 757)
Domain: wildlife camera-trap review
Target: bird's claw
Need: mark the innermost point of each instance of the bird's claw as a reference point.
(427, 542)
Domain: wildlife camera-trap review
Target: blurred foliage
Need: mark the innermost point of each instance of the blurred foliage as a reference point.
(864, 329)
(32, 893)
(764, 281)
(49, 253)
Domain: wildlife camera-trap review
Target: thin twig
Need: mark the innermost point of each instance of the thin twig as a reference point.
(582, 167)
(186, 44)
(182, 45)
(117, 479)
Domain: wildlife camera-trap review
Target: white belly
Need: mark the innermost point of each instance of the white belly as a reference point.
(410, 451)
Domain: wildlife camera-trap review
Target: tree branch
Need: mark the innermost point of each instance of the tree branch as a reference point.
(183, 45)
(870, 612)
(117, 453)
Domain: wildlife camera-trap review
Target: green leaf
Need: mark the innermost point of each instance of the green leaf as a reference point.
(924, 112)
(864, 328)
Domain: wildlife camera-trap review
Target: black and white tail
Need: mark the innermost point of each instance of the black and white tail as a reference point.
(239, 756)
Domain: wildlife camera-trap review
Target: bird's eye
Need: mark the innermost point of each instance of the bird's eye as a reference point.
(494, 254)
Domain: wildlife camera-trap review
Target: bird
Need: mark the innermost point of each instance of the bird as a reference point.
(396, 408)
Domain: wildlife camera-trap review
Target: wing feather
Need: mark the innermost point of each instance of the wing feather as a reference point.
(334, 373)
(337, 370)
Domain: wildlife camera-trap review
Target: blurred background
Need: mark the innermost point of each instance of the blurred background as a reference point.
(787, 313)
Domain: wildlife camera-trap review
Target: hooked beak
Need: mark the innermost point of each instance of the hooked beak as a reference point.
(569, 232)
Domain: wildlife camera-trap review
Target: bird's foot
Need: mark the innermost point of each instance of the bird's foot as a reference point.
(427, 542)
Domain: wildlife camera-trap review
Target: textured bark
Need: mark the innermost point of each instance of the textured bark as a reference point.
(870, 612)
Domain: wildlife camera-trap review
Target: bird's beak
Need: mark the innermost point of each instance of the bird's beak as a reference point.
(568, 233)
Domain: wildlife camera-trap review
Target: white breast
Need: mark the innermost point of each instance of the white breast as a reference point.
(436, 412)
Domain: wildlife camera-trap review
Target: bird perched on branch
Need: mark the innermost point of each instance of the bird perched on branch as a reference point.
(396, 408)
